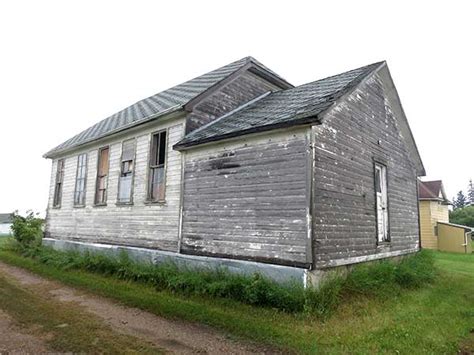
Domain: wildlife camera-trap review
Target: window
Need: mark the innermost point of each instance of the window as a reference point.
(80, 190)
(58, 186)
(126, 172)
(381, 203)
(102, 173)
(156, 175)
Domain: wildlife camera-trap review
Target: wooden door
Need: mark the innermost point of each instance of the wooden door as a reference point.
(382, 202)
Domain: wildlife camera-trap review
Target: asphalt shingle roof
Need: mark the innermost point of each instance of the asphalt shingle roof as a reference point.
(430, 190)
(280, 109)
(176, 96)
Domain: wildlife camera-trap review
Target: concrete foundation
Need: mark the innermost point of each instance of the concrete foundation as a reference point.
(275, 272)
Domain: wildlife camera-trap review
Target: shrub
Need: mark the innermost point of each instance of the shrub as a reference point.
(27, 230)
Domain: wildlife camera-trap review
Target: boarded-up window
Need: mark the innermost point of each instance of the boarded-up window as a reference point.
(58, 186)
(80, 188)
(102, 173)
(126, 172)
(156, 176)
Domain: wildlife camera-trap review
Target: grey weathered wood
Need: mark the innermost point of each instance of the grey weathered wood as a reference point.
(354, 132)
(248, 199)
(300, 196)
(241, 89)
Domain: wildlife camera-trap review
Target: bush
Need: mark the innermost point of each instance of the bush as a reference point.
(463, 216)
(27, 230)
(383, 277)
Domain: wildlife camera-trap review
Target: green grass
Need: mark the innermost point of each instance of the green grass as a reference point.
(61, 326)
(435, 318)
(378, 278)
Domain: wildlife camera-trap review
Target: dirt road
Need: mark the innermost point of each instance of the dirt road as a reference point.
(164, 334)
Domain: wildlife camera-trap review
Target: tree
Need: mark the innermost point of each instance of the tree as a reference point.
(463, 216)
(27, 230)
(460, 201)
(470, 192)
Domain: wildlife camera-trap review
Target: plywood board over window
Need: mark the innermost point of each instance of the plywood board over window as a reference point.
(156, 174)
(127, 168)
(102, 175)
(58, 186)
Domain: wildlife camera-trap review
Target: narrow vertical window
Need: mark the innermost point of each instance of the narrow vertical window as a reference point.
(156, 176)
(102, 173)
(58, 185)
(80, 188)
(126, 172)
(381, 203)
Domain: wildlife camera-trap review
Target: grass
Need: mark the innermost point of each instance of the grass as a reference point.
(379, 278)
(61, 326)
(435, 318)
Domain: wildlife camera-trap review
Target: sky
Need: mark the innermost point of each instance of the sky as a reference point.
(66, 65)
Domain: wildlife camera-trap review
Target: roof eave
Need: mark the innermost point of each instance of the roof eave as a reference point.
(420, 169)
(304, 120)
(300, 122)
(58, 152)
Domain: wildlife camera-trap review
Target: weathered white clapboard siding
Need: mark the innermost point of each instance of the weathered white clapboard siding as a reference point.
(140, 224)
(353, 133)
(248, 199)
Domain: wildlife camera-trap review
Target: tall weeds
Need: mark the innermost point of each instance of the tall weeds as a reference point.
(383, 277)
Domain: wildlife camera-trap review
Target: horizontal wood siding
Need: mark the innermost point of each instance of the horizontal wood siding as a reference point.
(140, 224)
(247, 200)
(427, 226)
(353, 133)
(242, 89)
(431, 212)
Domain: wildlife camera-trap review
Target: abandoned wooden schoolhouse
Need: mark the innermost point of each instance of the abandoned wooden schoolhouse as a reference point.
(239, 168)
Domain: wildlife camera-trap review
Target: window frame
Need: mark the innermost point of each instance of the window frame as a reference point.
(149, 200)
(132, 188)
(382, 163)
(78, 204)
(57, 196)
(100, 150)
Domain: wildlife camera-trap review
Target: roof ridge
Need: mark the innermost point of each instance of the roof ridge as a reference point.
(376, 64)
(292, 106)
(165, 100)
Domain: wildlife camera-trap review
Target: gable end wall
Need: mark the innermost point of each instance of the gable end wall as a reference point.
(360, 128)
(237, 92)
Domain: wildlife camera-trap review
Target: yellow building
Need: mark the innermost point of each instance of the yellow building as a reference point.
(433, 209)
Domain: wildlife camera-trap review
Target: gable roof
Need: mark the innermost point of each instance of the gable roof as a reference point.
(432, 190)
(301, 105)
(167, 101)
(279, 109)
(6, 218)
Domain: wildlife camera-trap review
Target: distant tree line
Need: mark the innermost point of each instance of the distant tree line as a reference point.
(463, 204)
(462, 200)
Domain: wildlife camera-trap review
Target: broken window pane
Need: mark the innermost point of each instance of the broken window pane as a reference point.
(156, 177)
